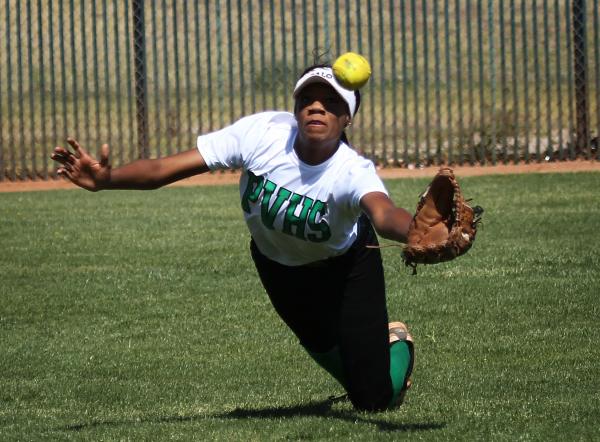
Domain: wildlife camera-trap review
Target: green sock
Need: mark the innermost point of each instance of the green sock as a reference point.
(399, 363)
(331, 362)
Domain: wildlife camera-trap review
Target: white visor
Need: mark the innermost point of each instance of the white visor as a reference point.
(325, 75)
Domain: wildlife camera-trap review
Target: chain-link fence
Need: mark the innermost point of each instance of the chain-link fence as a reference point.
(459, 82)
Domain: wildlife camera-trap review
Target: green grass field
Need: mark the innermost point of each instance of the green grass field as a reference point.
(139, 316)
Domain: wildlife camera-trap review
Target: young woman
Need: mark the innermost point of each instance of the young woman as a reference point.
(310, 204)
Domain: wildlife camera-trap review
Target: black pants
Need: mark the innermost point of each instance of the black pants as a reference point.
(340, 303)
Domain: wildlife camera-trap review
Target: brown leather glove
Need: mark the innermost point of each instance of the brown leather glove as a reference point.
(444, 225)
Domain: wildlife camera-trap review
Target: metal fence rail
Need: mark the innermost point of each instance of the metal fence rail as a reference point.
(454, 81)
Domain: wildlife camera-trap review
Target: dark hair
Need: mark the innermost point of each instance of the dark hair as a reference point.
(327, 65)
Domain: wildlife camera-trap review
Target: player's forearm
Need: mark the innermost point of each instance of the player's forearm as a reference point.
(152, 174)
(389, 221)
(394, 224)
(140, 175)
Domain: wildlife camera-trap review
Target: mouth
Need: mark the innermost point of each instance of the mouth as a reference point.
(315, 123)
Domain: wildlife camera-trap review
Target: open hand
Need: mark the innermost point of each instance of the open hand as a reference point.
(81, 168)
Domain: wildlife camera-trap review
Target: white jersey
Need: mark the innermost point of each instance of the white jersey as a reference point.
(296, 213)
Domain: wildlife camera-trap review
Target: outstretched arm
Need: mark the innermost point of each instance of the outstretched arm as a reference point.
(390, 222)
(92, 174)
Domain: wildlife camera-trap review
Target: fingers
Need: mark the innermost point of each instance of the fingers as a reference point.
(104, 154)
(63, 156)
(68, 165)
(76, 146)
(61, 150)
(79, 158)
(64, 172)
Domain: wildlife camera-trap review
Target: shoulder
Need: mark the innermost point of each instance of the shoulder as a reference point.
(358, 176)
(269, 119)
(251, 129)
(355, 165)
(265, 126)
(259, 122)
(266, 135)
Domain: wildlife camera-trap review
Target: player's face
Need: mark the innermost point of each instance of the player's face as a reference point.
(321, 113)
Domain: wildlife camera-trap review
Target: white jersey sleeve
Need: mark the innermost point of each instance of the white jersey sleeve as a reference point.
(233, 146)
(361, 179)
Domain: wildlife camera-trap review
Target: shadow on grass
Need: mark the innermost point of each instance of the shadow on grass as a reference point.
(313, 409)
(323, 409)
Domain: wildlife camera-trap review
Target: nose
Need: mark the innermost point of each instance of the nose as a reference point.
(316, 107)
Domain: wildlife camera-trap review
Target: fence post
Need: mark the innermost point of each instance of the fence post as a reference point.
(139, 58)
(582, 118)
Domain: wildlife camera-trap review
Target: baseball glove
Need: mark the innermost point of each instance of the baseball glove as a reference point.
(444, 225)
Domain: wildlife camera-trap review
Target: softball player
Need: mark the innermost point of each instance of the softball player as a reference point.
(310, 203)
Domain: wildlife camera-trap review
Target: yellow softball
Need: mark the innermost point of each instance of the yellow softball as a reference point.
(352, 70)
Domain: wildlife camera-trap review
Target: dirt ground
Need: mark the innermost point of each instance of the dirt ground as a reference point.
(391, 173)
